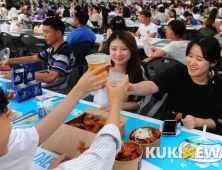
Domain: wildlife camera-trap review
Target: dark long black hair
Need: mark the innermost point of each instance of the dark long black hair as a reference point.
(211, 19)
(3, 101)
(133, 68)
(105, 17)
(173, 10)
(211, 52)
(126, 12)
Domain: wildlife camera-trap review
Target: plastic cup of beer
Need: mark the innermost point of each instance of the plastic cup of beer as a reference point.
(95, 61)
(115, 78)
(107, 58)
(108, 63)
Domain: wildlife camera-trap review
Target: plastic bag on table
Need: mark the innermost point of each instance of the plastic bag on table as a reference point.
(5, 27)
(15, 26)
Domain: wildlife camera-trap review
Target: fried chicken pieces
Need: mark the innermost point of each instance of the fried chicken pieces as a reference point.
(11, 95)
(82, 148)
(155, 137)
(178, 116)
(129, 152)
(90, 124)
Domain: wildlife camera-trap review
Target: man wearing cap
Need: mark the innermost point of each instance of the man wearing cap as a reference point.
(22, 15)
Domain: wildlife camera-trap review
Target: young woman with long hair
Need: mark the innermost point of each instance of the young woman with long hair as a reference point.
(11, 10)
(211, 21)
(105, 21)
(193, 89)
(123, 49)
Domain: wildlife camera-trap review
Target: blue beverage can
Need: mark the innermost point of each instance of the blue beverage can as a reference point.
(104, 36)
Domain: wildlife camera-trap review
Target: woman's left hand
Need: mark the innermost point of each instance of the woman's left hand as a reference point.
(105, 107)
(189, 122)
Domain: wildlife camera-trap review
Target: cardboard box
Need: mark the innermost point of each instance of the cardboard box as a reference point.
(67, 138)
(23, 83)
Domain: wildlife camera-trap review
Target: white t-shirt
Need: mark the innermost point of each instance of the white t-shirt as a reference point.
(220, 12)
(177, 11)
(12, 13)
(89, 23)
(162, 17)
(197, 17)
(176, 50)
(112, 14)
(3, 11)
(68, 20)
(22, 16)
(146, 30)
(182, 10)
(22, 146)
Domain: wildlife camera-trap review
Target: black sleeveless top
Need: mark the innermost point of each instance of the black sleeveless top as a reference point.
(212, 28)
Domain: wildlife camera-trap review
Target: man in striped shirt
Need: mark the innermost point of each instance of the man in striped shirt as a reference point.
(59, 57)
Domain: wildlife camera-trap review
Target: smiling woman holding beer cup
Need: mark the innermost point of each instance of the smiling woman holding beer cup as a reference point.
(123, 49)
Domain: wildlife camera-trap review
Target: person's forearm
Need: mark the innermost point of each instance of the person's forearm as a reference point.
(114, 114)
(144, 88)
(201, 122)
(45, 77)
(23, 60)
(53, 120)
(158, 53)
(129, 106)
(101, 46)
(152, 35)
(152, 56)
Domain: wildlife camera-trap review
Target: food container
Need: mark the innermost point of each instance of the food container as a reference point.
(129, 165)
(144, 146)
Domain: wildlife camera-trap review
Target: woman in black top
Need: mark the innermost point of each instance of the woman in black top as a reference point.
(211, 22)
(195, 89)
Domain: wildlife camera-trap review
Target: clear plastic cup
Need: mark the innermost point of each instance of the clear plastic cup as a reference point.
(115, 78)
(107, 60)
(95, 61)
(108, 63)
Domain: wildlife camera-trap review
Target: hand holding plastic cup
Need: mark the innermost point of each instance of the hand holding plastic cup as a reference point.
(96, 60)
(115, 78)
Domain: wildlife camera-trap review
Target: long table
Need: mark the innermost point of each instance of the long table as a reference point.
(43, 158)
(139, 42)
(99, 37)
(188, 27)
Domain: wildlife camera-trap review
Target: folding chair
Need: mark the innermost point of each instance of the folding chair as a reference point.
(4, 54)
(14, 44)
(158, 65)
(206, 32)
(80, 51)
(31, 44)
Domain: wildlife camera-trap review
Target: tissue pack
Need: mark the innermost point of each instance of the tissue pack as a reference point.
(23, 83)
